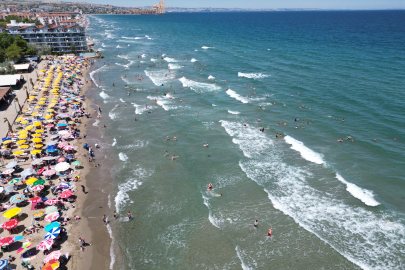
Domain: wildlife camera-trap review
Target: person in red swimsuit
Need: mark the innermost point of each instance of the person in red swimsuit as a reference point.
(269, 233)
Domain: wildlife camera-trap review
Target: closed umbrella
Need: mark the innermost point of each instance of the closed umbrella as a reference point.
(45, 244)
(10, 224)
(17, 198)
(12, 212)
(52, 225)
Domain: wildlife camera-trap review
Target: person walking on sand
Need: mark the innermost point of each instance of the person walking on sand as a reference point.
(84, 189)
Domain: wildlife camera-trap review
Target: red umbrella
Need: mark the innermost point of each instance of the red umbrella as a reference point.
(52, 201)
(41, 170)
(10, 224)
(6, 241)
(61, 159)
(66, 194)
(35, 200)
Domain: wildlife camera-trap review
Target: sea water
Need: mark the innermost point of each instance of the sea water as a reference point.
(332, 205)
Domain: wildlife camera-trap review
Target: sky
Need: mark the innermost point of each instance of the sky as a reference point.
(321, 4)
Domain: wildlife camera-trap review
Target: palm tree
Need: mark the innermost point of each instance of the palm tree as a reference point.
(16, 100)
(26, 91)
(9, 125)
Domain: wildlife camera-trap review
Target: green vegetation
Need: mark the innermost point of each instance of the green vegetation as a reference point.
(7, 68)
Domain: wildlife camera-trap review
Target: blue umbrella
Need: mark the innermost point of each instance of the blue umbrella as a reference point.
(5, 139)
(69, 156)
(17, 198)
(50, 147)
(61, 125)
(51, 150)
(53, 233)
(52, 225)
(3, 263)
(41, 119)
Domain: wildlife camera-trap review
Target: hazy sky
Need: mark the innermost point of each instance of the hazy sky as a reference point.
(323, 4)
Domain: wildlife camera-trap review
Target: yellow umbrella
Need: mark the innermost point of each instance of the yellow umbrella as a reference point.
(32, 96)
(48, 117)
(77, 103)
(37, 140)
(25, 110)
(37, 107)
(19, 119)
(43, 98)
(39, 131)
(50, 110)
(34, 152)
(42, 70)
(31, 180)
(52, 105)
(23, 132)
(39, 214)
(17, 153)
(44, 89)
(35, 113)
(24, 146)
(36, 87)
(8, 141)
(24, 122)
(36, 135)
(37, 124)
(41, 102)
(12, 212)
(21, 141)
(29, 127)
(38, 145)
(22, 136)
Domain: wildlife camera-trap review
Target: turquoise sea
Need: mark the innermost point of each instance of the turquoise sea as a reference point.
(331, 204)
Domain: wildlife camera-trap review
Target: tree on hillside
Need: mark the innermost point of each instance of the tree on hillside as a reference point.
(14, 52)
(5, 40)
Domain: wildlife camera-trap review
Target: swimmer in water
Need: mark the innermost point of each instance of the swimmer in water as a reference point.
(269, 233)
(219, 195)
(167, 138)
(172, 157)
(209, 188)
(206, 145)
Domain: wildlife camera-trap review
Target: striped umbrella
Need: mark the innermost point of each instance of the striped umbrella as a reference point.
(52, 201)
(38, 187)
(15, 180)
(52, 225)
(52, 216)
(53, 233)
(17, 198)
(66, 194)
(24, 247)
(45, 244)
(35, 200)
(10, 224)
(6, 241)
(52, 256)
(3, 263)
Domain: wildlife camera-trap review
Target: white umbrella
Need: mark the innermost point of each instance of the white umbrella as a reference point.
(12, 164)
(27, 172)
(51, 143)
(36, 162)
(63, 166)
(9, 171)
(63, 132)
(48, 158)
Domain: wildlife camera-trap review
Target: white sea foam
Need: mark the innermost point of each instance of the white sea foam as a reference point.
(198, 86)
(241, 254)
(211, 77)
(211, 218)
(160, 77)
(206, 48)
(100, 49)
(96, 122)
(170, 60)
(143, 55)
(122, 156)
(103, 45)
(236, 96)
(104, 95)
(127, 65)
(118, 46)
(113, 115)
(112, 254)
(153, 59)
(369, 239)
(305, 152)
(252, 75)
(114, 142)
(164, 101)
(174, 66)
(214, 105)
(364, 195)
(233, 112)
(194, 60)
(140, 109)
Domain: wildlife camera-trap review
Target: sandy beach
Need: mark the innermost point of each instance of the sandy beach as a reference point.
(84, 206)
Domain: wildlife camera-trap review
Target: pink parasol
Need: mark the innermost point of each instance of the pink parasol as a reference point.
(50, 125)
(69, 147)
(35, 200)
(45, 244)
(61, 159)
(66, 194)
(38, 187)
(52, 201)
(52, 256)
(62, 144)
(6, 241)
(52, 216)
(49, 172)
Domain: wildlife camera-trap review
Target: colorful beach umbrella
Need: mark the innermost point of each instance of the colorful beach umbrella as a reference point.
(38, 187)
(76, 163)
(35, 200)
(10, 224)
(69, 147)
(49, 172)
(6, 240)
(3, 263)
(12, 212)
(52, 225)
(52, 216)
(14, 181)
(66, 194)
(52, 201)
(24, 247)
(31, 180)
(55, 255)
(39, 182)
(17, 198)
(45, 244)
(39, 214)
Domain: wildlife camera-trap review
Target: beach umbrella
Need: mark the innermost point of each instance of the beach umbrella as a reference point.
(54, 137)
(52, 225)
(51, 209)
(37, 161)
(69, 147)
(22, 136)
(7, 142)
(38, 145)
(49, 172)
(37, 140)
(21, 141)
(19, 119)
(55, 255)
(48, 117)
(24, 247)
(31, 180)
(17, 198)
(62, 132)
(39, 131)
(66, 136)
(61, 159)
(50, 125)
(63, 166)
(45, 244)
(50, 151)
(34, 152)
(36, 135)
(6, 240)
(29, 127)
(52, 201)
(24, 122)
(38, 214)
(52, 216)
(35, 200)
(3, 263)
(27, 172)
(51, 266)
(38, 187)
(65, 185)
(39, 182)
(69, 156)
(5, 139)
(12, 164)
(9, 171)
(66, 194)
(8, 189)
(12, 212)
(61, 125)
(12, 223)
(22, 132)
(51, 143)
(62, 144)
(24, 146)
(17, 153)
(15, 180)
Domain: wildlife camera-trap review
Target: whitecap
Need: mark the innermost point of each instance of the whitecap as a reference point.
(211, 77)
(236, 96)
(198, 86)
(122, 156)
(206, 48)
(305, 152)
(194, 60)
(233, 112)
(252, 75)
